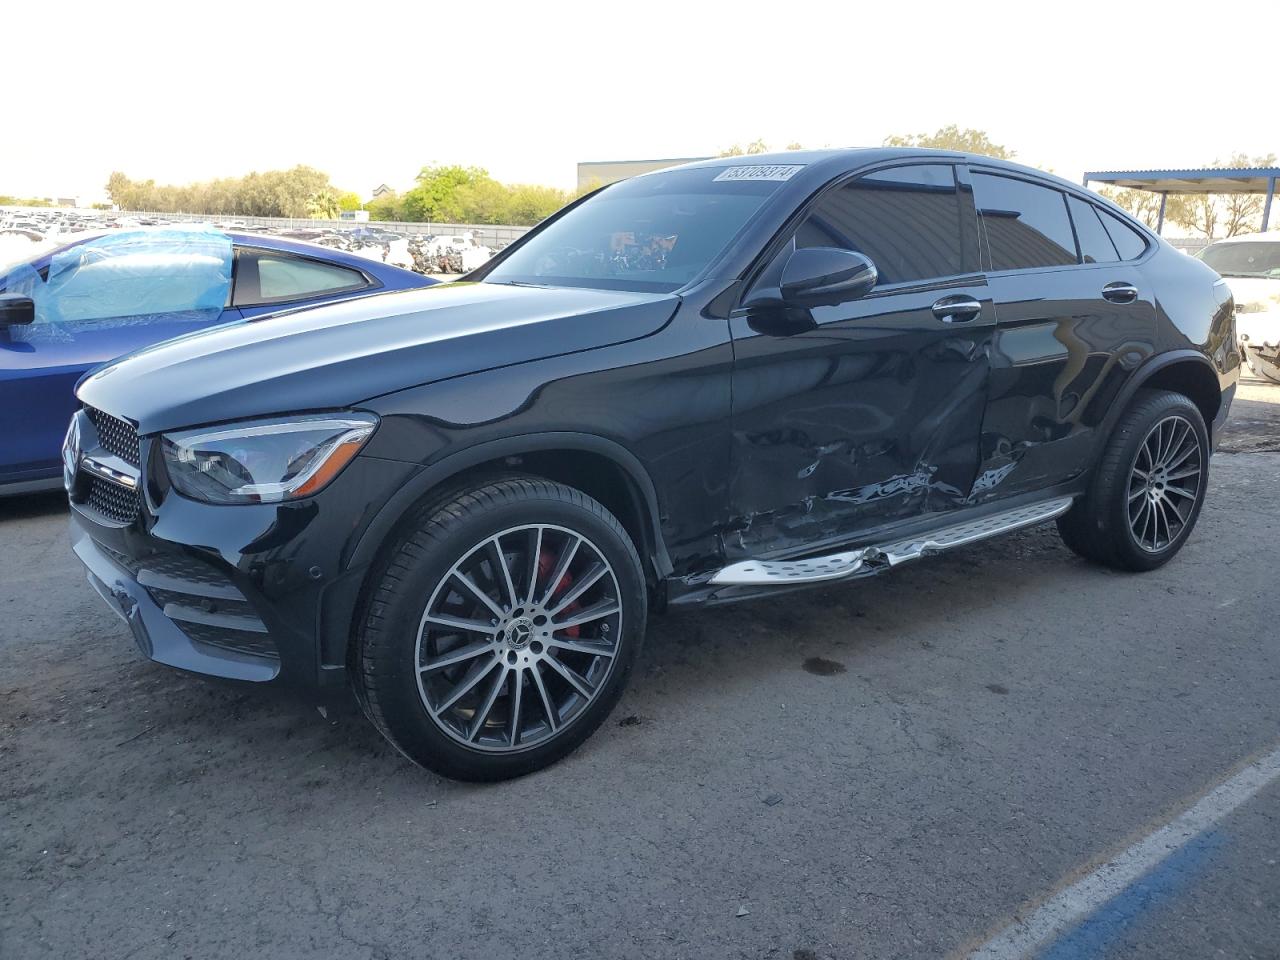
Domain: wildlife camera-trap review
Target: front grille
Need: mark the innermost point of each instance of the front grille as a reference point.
(116, 436)
(111, 500)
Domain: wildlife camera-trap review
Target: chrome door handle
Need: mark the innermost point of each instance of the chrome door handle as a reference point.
(1120, 292)
(957, 309)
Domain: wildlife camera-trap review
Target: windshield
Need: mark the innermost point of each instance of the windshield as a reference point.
(652, 233)
(1248, 259)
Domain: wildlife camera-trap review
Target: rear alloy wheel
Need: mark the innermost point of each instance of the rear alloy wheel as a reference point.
(502, 630)
(1147, 489)
(1164, 484)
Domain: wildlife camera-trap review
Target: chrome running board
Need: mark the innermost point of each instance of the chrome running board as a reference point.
(837, 566)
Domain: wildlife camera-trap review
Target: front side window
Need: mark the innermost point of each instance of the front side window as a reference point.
(1095, 243)
(1026, 224)
(1247, 258)
(905, 219)
(655, 232)
(267, 277)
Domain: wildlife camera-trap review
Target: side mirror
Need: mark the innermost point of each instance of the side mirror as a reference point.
(16, 310)
(815, 274)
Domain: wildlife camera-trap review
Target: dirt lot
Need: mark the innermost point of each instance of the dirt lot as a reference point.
(897, 767)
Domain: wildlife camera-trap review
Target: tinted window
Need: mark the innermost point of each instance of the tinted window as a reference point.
(653, 232)
(282, 277)
(1026, 224)
(907, 220)
(1095, 244)
(1246, 258)
(1129, 242)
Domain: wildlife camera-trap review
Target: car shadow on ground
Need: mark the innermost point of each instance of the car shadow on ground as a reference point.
(33, 505)
(180, 728)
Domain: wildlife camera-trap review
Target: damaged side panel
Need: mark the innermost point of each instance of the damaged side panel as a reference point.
(1060, 356)
(869, 417)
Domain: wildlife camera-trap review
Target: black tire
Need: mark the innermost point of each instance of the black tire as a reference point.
(389, 648)
(1100, 526)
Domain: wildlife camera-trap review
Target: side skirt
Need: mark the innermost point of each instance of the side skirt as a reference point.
(755, 577)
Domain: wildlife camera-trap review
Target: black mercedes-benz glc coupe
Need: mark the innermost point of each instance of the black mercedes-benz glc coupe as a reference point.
(717, 381)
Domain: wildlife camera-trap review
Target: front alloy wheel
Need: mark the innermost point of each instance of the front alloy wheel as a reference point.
(519, 637)
(501, 630)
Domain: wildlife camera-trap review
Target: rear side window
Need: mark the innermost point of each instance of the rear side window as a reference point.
(269, 277)
(1095, 243)
(1129, 242)
(906, 219)
(1026, 224)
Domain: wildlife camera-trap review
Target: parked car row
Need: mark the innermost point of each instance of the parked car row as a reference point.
(423, 253)
(712, 382)
(1251, 266)
(105, 294)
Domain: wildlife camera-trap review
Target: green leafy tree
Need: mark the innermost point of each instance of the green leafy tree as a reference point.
(324, 205)
(385, 207)
(953, 138)
(435, 195)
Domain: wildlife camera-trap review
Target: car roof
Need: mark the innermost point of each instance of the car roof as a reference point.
(831, 161)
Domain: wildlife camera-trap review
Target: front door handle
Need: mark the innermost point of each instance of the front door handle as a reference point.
(1120, 292)
(957, 309)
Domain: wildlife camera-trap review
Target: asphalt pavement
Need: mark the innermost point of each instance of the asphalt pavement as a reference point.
(900, 767)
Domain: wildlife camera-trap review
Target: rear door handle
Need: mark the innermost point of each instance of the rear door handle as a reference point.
(957, 309)
(1120, 292)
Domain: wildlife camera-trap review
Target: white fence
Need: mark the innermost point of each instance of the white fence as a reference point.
(488, 234)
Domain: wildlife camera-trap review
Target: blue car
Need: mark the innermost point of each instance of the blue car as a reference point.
(105, 295)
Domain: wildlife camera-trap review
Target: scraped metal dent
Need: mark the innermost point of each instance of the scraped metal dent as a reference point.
(838, 566)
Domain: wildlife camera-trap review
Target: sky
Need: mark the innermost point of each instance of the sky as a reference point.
(371, 92)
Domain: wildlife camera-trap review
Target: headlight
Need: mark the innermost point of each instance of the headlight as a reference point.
(264, 461)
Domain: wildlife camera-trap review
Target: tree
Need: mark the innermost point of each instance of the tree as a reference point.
(953, 138)
(1197, 212)
(1145, 204)
(385, 207)
(435, 195)
(324, 205)
(1242, 212)
(751, 149)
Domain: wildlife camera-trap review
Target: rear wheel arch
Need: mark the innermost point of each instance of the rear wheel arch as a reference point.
(1187, 372)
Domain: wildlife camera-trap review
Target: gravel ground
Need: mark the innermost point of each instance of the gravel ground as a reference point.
(889, 768)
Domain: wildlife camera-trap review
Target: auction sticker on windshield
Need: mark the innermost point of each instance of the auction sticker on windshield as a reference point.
(761, 171)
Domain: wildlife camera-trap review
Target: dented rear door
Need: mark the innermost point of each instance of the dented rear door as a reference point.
(869, 412)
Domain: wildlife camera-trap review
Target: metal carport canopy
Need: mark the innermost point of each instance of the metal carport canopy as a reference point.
(1206, 180)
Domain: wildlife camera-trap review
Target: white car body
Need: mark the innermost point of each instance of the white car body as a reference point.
(1251, 266)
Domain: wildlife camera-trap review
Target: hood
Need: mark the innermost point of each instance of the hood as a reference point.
(337, 355)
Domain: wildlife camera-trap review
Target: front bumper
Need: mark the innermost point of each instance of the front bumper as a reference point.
(158, 635)
(263, 593)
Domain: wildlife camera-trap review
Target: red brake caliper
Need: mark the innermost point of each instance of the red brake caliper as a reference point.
(546, 562)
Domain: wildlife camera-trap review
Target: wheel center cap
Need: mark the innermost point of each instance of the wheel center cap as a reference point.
(519, 633)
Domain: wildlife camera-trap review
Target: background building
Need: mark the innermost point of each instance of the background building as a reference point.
(599, 172)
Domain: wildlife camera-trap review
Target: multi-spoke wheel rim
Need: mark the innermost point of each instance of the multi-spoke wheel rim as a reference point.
(1164, 484)
(518, 638)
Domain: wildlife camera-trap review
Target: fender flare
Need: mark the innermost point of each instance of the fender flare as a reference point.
(438, 473)
(1135, 383)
